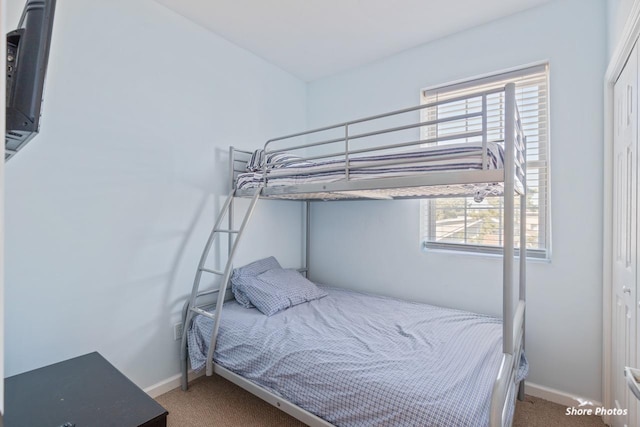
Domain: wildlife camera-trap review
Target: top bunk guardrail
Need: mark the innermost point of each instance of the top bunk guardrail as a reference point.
(462, 146)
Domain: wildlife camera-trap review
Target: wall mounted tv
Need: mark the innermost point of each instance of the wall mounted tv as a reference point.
(27, 58)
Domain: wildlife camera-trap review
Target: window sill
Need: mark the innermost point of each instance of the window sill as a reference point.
(478, 254)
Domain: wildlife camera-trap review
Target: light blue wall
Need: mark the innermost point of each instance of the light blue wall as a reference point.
(376, 245)
(108, 209)
(617, 15)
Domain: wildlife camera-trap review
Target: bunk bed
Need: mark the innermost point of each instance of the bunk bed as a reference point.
(435, 386)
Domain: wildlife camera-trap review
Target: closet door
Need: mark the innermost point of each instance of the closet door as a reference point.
(625, 156)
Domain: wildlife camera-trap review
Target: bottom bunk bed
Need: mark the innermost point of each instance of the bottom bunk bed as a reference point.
(355, 359)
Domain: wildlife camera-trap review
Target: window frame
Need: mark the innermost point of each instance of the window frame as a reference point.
(427, 219)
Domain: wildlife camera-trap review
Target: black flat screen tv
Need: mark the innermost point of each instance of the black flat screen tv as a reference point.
(26, 62)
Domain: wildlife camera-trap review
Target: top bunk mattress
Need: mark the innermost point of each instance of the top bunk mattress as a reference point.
(283, 170)
(355, 359)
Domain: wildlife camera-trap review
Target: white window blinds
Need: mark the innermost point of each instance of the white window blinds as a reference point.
(461, 223)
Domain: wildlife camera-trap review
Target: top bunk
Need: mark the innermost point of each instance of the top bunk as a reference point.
(471, 146)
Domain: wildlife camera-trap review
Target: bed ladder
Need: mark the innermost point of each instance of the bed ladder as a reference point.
(191, 308)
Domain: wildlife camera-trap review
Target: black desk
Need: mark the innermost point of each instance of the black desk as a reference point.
(86, 391)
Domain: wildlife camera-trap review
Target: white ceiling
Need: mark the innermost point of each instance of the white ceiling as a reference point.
(316, 38)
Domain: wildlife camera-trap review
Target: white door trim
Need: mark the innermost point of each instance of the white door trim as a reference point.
(3, 82)
(630, 34)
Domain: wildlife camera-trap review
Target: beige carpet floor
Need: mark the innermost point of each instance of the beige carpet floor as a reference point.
(214, 401)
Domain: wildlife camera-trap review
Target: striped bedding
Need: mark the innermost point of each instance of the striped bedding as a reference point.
(429, 159)
(356, 359)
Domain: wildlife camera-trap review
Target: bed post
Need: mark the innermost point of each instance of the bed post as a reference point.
(502, 384)
(232, 185)
(523, 242)
(307, 242)
(184, 362)
(508, 213)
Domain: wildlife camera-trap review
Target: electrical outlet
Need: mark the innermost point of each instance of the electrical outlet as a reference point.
(177, 331)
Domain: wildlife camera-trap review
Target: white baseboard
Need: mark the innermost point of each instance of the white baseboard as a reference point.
(556, 396)
(170, 383)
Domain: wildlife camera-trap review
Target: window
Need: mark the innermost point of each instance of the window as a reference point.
(463, 224)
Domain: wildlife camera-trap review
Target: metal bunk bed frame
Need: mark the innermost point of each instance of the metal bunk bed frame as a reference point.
(511, 176)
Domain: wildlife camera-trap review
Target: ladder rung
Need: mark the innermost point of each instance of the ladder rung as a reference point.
(221, 230)
(202, 312)
(219, 273)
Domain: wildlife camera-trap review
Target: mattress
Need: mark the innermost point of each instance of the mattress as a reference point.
(362, 360)
(452, 157)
